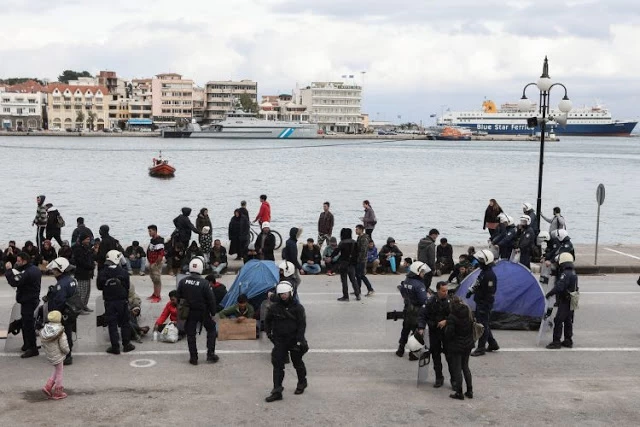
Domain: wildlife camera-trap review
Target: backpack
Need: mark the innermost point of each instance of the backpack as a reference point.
(74, 305)
(60, 221)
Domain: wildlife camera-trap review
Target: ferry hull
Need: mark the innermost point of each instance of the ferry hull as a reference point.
(613, 129)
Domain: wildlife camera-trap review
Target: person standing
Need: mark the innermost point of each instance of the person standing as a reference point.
(195, 292)
(564, 286)
(325, 224)
(556, 222)
(483, 292)
(80, 229)
(458, 331)
(427, 254)
(243, 209)
(361, 266)
(85, 266)
(26, 278)
(526, 240)
(107, 243)
(203, 224)
(56, 346)
(285, 325)
(434, 315)
(347, 261)
(369, 219)
(491, 218)
(40, 220)
(155, 255)
(265, 243)
(505, 242)
(290, 251)
(414, 294)
(113, 281)
(238, 234)
(184, 227)
(527, 209)
(57, 297)
(264, 214)
(54, 224)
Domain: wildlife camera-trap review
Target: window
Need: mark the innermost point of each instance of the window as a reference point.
(6, 110)
(56, 107)
(32, 110)
(32, 101)
(6, 100)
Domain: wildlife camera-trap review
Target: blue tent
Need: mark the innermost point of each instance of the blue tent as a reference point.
(519, 301)
(254, 280)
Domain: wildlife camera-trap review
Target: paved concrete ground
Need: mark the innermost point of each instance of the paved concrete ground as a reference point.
(354, 376)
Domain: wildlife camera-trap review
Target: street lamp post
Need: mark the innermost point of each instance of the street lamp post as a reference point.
(544, 84)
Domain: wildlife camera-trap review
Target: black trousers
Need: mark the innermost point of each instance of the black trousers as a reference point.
(54, 234)
(27, 310)
(278, 358)
(482, 316)
(69, 328)
(190, 327)
(348, 270)
(525, 258)
(361, 276)
(427, 280)
(437, 347)
(369, 232)
(409, 324)
(117, 314)
(40, 237)
(459, 366)
(563, 320)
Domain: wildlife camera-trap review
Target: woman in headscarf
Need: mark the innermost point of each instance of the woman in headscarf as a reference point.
(203, 224)
(238, 234)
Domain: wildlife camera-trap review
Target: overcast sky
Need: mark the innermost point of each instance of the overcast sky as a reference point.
(420, 56)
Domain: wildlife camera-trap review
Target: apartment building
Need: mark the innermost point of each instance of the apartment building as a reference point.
(77, 106)
(221, 97)
(172, 98)
(282, 108)
(141, 95)
(21, 106)
(335, 106)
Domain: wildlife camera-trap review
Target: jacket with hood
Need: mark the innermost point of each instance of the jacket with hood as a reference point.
(79, 231)
(363, 247)
(54, 342)
(427, 252)
(27, 282)
(290, 251)
(113, 290)
(203, 221)
(264, 214)
(83, 258)
(265, 245)
(107, 243)
(184, 226)
(41, 213)
(459, 330)
(347, 248)
(52, 219)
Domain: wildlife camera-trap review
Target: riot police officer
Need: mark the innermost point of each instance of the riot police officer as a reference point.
(414, 293)
(483, 291)
(567, 283)
(195, 293)
(434, 315)
(113, 281)
(505, 241)
(526, 240)
(59, 295)
(285, 325)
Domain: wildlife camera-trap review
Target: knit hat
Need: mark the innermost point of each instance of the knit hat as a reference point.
(54, 316)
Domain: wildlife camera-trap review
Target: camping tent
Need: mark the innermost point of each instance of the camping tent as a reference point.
(254, 280)
(519, 301)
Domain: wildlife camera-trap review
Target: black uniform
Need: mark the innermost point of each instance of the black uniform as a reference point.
(414, 293)
(197, 294)
(506, 241)
(433, 312)
(107, 243)
(567, 283)
(57, 298)
(27, 283)
(526, 243)
(484, 291)
(113, 281)
(285, 325)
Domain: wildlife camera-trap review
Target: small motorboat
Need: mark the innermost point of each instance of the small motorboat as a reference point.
(161, 168)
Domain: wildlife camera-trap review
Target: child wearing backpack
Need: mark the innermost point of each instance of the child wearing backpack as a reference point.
(55, 344)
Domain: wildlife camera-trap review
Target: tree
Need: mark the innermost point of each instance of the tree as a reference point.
(72, 75)
(247, 103)
(91, 118)
(17, 80)
(80, 118)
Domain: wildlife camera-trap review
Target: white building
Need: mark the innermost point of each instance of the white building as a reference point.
(335, 106)
(21, 106)
(221, 97)
(282, 108)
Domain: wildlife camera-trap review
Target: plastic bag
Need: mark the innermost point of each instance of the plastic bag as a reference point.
(169, 333)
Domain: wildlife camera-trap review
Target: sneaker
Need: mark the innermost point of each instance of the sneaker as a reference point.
(155, 300)
(151, 297)
(128, 347)
(112, 350)
(343, 299)
(142, 273)
(439, 382)
(273, 397)
(58, 393)
(370, 293)
(48, 388)
(413, 357)
(554, 345)
(68, 360)
(567, 344)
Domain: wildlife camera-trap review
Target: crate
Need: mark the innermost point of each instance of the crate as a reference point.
(230, 329)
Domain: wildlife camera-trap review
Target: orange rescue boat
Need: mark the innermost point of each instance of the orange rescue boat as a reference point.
(161, 168)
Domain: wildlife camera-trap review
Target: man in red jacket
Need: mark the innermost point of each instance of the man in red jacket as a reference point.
(264, 214)
(155, 256)
(170, 312)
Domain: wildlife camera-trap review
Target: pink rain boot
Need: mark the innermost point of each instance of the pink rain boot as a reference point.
(48, 387)
(58, 393)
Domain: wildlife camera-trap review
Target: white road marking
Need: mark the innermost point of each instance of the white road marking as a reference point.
(622, 253)
(142, 363)
(348, 351)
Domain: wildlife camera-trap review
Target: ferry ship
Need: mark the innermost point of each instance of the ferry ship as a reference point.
(510, 120)
(242, 125)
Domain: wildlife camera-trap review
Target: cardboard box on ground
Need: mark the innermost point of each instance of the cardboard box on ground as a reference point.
(231, 329)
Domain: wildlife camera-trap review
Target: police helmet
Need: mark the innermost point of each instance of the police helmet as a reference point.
(419, 267)
(560, 234)
(283, 288)
(413, 344)
(288, 269)
(525, 220)
(484, 256)
(543, 236)
(526, 207)
(565, 257)
(196, 265)
(61, 264)
(113, 257)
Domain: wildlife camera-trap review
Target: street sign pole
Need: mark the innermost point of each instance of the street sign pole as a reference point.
(600, 200)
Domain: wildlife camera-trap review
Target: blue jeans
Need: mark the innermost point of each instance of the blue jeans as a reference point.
(219, 268)
(138, 264)
(361, 271)
(311, 268)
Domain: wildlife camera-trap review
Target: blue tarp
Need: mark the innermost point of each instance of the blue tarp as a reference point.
(519, 301)
(254, 280)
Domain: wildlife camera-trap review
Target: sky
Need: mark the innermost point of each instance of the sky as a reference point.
(420, 57)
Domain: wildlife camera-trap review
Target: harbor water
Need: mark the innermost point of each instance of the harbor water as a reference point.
(412, 185)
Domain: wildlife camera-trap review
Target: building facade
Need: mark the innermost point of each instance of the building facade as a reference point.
(22, 106)
(172, 98)
(198, 103)
(335, 106)
(282, 108)
(141, 99)
(221, 97)
(81, 107)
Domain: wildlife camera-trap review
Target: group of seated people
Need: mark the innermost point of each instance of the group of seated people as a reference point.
(178, 256)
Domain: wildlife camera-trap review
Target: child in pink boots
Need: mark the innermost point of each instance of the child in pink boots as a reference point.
(55, 344)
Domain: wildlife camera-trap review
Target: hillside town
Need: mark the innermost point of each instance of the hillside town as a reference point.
(106, 102)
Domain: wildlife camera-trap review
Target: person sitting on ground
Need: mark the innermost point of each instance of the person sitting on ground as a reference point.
(473, 262)
(219, 290)
(32, 251)
(11, 253)
(460, 270)
(66, 251)
(218, 257)
(372, 257)
(311, 257)
(331, 260)
(240, 311)
(47, 255)
(405, 264)
(170, 312)
(178, 255)
(388, 251)
(444, 257)
(192, 251)
(137, 331)
(135, 257)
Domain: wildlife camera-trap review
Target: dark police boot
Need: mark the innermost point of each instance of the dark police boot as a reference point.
(400, 351)
(300, 387)
(555, 345)
(439, 382)
(68, 360)
(32, 352)
(112, 350)
(212, 357)
(567, 343)
(493, 347)
(478, 352)
(412, 356)
(193, 361)
(469, 394)
(457, 395)
(128, 347)
(273, 397)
